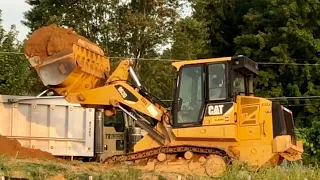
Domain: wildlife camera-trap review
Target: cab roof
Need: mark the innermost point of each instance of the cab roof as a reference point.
(178, 64)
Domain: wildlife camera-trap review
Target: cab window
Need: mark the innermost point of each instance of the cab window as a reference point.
(238, 84)
(117, 121)
(217, 82)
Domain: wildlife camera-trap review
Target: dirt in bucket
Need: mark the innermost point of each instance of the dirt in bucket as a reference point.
(48, 40)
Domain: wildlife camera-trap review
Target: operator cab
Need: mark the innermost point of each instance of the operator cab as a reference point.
(216, 80)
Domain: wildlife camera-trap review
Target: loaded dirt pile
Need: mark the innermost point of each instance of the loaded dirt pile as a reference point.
(52, 39)
(13, 148)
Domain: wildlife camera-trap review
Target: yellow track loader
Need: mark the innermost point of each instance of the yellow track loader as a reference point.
(214, 120)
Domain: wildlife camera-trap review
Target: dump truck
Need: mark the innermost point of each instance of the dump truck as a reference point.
(214, 120)
(66, 130)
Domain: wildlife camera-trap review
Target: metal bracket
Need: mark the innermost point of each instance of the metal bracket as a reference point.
(31, 98)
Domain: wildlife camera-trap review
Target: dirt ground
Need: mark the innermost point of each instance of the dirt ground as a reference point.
(65, 170)
(23, 162)
(14, 149)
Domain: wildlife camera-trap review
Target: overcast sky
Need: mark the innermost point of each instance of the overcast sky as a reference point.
(12, 13)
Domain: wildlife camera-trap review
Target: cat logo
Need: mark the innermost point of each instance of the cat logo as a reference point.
(215, 110)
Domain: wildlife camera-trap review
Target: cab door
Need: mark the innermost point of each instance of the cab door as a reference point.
(189, 98)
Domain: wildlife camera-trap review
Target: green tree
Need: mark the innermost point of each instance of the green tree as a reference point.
(223, 20)
(190, 40)
(129, 28)
(286, 32)
(16, 76)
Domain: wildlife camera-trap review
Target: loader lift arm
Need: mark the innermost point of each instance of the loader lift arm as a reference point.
(124, 96)
(80, 72)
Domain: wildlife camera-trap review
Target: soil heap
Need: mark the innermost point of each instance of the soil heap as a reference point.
(13, 148)
(52, 39)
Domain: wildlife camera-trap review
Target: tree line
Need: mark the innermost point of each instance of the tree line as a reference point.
(282, 31)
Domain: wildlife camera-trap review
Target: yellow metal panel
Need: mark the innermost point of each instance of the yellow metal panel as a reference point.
(281, 143)
(265, 120)
(111, 141)
(249, 115)
(217, 120)
(255, 154)
(224, 132)
(178, 64)
(145, 143)
(106, 95)
(248, 110)
(228, 118)
(249, 133)
(300, 144)
(255, 111)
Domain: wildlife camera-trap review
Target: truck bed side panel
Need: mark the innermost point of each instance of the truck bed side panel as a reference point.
(48, 123)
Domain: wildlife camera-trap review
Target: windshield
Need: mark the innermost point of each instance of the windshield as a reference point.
(116, 121)
(190, 94)
(217, 82)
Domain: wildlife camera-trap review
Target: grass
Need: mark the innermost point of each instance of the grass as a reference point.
(43, 170)
(293, 172)
(40, 171)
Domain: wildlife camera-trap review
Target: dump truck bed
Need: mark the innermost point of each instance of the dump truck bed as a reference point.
(48, 123)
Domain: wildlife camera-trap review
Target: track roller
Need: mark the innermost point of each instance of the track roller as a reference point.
(161, 157)
(188, 155)
(215, 165)
(202, 165)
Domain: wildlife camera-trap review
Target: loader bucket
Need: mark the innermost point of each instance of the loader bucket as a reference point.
(54, 69)
(58, 53)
